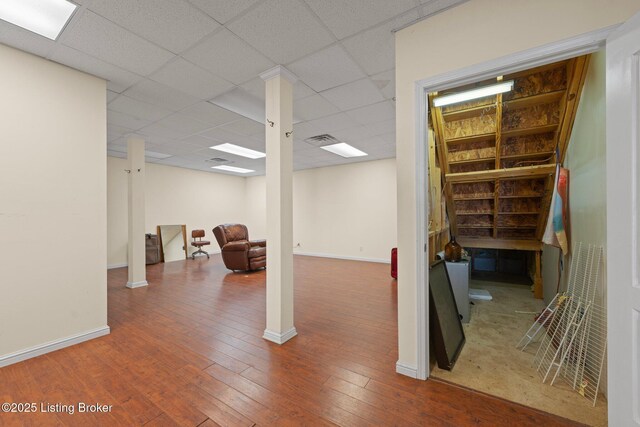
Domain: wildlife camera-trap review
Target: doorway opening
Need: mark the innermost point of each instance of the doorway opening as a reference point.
(492, 162)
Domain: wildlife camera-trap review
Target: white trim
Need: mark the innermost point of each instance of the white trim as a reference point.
(421, 248)
(348, 257)
(28, 353)
(279, 71)
(119, 265)
(140, 284)
(530, 58)
(409, 371)
(279, 338)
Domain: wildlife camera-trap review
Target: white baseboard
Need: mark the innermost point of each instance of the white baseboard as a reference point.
(140, 284)
(111, 266)
(279, 338)
(28, 353)
(409, 371)
(351, 258)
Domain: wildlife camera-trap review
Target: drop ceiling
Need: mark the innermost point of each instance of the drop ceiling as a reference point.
(164, 60)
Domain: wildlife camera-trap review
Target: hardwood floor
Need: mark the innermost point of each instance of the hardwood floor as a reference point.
(187, 350)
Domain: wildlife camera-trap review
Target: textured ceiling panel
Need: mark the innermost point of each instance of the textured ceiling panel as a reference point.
(172, 24)
(313, 107)
(327, 68)
(353, 95)
(96, 36)
(126, 105)
(160, 95)
(200, 83)
(227, 56)
(210, 114)
(223, 10)
(284, 30)
(347, 17)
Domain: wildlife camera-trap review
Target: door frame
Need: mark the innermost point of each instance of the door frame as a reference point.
(553, 52)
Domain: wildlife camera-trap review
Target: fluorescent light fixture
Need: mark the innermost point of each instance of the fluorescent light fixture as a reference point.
(45, 17)
(232, 169)
(239, 151)
(156, 155)
(473, 94)
(345, 150)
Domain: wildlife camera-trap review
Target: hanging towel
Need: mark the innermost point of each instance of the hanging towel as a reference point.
(555, 233)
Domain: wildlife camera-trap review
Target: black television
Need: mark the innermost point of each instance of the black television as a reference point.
(444, 319)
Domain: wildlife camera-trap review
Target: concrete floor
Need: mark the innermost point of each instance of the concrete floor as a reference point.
(489, 361)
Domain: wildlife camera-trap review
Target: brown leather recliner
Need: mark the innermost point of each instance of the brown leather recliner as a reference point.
(238, 252)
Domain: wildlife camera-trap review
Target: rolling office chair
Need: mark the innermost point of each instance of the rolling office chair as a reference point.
(197, 242)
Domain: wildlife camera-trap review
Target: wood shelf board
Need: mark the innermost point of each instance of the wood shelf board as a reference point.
(529, 131)
(527, 155)
(474, 213)
(472, 138)
(528, 101)
(489, 243)
(490, 175)
(471, 161)
(467, 113)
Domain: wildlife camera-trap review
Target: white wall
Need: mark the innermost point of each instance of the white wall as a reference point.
(346, 211)
(201, 200)
(52, 203)
(474, 32)
(585, 159)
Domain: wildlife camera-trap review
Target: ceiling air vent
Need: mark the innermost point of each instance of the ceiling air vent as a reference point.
(217, 160)
(321, 140)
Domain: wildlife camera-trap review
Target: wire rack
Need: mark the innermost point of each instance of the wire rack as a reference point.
(574, 345)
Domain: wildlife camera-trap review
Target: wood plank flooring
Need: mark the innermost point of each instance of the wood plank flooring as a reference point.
(188, 350)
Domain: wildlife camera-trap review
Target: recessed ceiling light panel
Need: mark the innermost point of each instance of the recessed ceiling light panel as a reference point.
(239, 151)
(45, 17)
(232, 169)
(481, 92)
(345, 150)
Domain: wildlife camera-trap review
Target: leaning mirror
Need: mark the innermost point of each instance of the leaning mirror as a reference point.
(173, 242)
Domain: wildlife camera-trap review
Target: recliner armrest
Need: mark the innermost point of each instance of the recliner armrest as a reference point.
(238, 246)
(262, 243)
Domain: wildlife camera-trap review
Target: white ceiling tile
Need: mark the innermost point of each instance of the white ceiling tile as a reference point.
(386, 82)
(184, 124)
(283, 30)
(244, 126)
(431, 7)
(327, 68)
(118, 79)
(211, 114)
(103, 39)
(158, 94)
(223, 10)
(373, 113)
(125, 120)
(172, 24)
(347, 17)
(229, 57)
(381, 128)
(143, 110)
(354, 95)
(305, 130)
(333, 123)
(388, 138)
(256, 88)
(177, 148)
(157, 130)
(111, 96)
(223, 135)
(374, 49)
(313, 107)
(191, 79)
(17, 37)
(200, 141)
(351, 134)
(114, 132)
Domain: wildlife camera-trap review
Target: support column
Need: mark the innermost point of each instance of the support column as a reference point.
(136, 246)
(279, 142)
